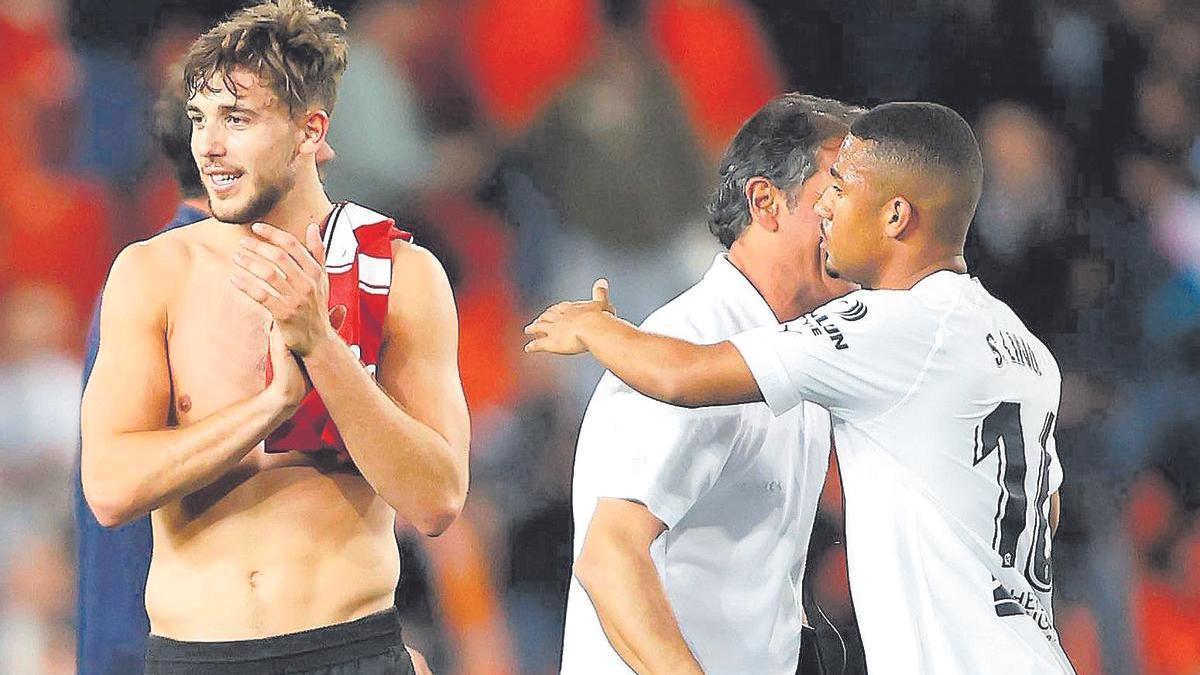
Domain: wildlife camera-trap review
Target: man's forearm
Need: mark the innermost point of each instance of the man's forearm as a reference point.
(127, 475)
(633, 609)
(664, 368)
(623, 649)
(414, 468)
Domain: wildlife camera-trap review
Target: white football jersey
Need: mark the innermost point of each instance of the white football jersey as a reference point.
(736, 487)
(943, 408)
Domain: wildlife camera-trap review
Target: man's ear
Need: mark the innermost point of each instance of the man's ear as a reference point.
(762, 198)
(897, 215)
(315, 127)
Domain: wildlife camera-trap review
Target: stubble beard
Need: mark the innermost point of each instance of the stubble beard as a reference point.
(264, 200)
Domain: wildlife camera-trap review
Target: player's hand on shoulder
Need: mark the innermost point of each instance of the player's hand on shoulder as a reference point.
(287, 278)
(558, 330)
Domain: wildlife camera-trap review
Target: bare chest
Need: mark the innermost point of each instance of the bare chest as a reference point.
(217, 351)
(216, 341)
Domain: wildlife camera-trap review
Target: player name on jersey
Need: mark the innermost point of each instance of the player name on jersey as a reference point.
(1009, 348)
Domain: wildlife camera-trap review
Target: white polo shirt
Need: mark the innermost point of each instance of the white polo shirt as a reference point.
(736, 487)
(943, 407)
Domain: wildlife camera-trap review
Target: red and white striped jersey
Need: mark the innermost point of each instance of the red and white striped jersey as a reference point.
(358, 260)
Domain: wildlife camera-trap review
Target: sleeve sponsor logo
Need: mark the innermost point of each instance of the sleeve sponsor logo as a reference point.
(851, 310)
(819, 324)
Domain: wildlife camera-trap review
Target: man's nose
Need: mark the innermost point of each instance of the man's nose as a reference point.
(211, 141)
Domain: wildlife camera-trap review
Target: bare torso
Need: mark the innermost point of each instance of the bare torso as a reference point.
(284, 542)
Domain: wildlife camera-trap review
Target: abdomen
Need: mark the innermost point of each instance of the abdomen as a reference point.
(286, 550)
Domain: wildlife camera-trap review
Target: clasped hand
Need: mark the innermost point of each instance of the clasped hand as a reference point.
(289, 280)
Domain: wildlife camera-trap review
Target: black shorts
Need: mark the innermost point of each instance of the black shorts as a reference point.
(368, 646)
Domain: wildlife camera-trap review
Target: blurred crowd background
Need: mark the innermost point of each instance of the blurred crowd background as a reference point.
(534, 145)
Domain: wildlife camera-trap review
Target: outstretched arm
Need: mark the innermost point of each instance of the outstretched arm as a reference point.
(669, 370)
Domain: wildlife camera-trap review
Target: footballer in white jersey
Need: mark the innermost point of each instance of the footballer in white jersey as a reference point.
(943, 408)
(942, 404)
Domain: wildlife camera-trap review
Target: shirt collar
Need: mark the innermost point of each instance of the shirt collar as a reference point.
(732, 286)
(942, 278)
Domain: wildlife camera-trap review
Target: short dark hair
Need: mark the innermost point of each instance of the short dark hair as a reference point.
(780, 143)
(929, 138)
(172, 131)
(297, 48)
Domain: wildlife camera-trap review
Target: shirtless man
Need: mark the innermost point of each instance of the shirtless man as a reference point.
(283, 560)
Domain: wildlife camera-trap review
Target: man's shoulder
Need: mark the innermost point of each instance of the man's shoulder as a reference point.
(702, 313)
(1008, 322)
(677, 318)
(155, 262)
(178, 235)
(415, 267)
(420, 298)
(874, 329)
(153, 255)
(867, 311)
(409, 253)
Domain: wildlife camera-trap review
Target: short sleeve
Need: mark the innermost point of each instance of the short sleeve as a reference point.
(855, 356)
(660, 455)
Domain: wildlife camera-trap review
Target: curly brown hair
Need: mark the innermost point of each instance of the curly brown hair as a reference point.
(297, 49)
